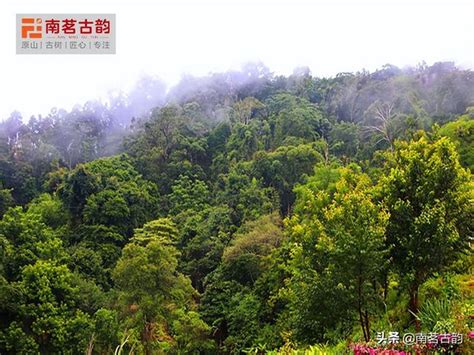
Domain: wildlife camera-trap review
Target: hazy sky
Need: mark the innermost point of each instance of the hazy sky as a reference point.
(169, 38)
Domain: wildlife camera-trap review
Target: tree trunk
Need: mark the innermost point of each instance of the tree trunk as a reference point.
(413, 305)
(367, 325)
(363, 322)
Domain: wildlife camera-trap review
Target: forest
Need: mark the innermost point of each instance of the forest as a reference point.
(244, 212)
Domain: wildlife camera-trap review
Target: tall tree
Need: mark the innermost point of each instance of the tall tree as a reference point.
(338, 251)
(156, 299)
(427, 194)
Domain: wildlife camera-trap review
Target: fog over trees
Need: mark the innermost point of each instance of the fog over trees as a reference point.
(242, 212)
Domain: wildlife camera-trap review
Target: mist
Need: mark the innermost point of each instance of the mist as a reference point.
(96, 128)
(169, 39)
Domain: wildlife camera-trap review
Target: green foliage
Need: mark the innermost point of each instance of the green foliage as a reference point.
(47, 311)
(6, 201)
(243, 142)
(153, 296)
(244, 318)
(461, 132)
(344, 139)
(106, 330)
(27, 239)
(244, 259)
(251, 213)
(245, 196)
(51, 210)
(108, 191)
(257, 237)
(296, 118)
(430, 212)
(243, 110)
(338, 235)
(284, 168)
(188, 195)
(436, 315)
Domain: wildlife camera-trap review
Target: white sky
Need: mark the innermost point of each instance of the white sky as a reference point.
(169, 38)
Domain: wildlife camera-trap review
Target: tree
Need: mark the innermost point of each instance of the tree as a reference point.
(6, 200)
(243, 259)
(239, 315)
(461, 132)
(384, 122)
(203, 237)
(294, 117)
(44, 308)
(160, 134)
(427, 195)
(153, 295)
(109, 192)
(48, 315)
(188, 195)
(245, 196)
(243, 110)
(243, 142)
(338, 236)
(344, 140)
(283, 168)
(29, 239)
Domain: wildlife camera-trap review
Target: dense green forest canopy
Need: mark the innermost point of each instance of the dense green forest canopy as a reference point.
(241, 211)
